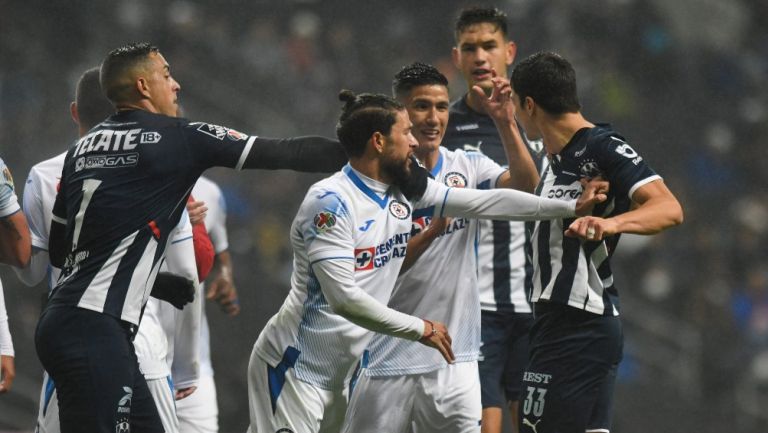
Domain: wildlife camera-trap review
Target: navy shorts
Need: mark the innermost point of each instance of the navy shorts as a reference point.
(569, 382)
(91, 359)
(503, 356)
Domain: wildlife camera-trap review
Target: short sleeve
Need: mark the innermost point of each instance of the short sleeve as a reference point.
(9, 203)
(624, 168)
(327, 226)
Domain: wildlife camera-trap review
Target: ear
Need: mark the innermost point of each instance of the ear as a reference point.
(73, 112)
(529, 105)
(377, 139)
(455, 57)
(142, 86)
(511, 51)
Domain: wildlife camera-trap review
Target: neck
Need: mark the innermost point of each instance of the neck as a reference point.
(429, 158)
(142, 104)
(371, 168)
(557, 131)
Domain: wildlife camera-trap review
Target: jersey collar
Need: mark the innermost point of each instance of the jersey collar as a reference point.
(361, 182)
(439, 166)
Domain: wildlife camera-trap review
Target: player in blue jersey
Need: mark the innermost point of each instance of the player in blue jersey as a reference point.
(349, 239)
(123, 189)
(576, 339)
(483, 47)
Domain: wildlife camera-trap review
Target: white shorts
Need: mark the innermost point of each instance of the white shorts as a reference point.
(199, 413)
(164, 396)
(298, 406)
(442, 401)
(162, 393)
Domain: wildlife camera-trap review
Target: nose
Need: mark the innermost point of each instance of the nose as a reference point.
(412, 143)
(432, 117)
(481, 56)
(176, 85)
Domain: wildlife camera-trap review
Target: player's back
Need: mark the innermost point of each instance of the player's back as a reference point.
(344, 217)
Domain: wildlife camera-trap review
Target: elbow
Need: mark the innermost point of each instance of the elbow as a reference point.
(678, 215)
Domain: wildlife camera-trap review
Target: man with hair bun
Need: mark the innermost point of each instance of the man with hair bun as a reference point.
(349, 239)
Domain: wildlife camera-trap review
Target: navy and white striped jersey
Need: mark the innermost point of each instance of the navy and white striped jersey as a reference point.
(502, 267)
(123, 188)
(567, 270)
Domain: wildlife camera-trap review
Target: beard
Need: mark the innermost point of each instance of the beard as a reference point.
(408, 176)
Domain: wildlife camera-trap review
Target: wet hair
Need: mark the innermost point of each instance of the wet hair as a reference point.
(478, 15)
(549, 80)
(92, 105)
(117, 68)
(361, 116)
(414, 75)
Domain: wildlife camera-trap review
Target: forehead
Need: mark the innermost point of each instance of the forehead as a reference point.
(479, 33)
(157, 61)
(403, 121)
(430, 92)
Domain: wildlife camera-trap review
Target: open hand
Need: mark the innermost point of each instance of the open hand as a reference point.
(436, 335)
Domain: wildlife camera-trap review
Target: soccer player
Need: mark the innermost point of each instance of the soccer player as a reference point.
(405, 386)
(158, 326)
(349, 239)
(576, 339)
(15, 247)
(123, 189)
(483, 48)
(199, 412)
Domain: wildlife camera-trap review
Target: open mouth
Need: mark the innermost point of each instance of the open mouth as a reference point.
(481, 73)
(432, 134)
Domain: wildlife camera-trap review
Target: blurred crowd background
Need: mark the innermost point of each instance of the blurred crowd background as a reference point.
(684, 81)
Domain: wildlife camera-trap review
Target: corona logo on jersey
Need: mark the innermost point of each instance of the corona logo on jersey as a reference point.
(324, 221)
(370, 258)
(455, 180)
(399, 209)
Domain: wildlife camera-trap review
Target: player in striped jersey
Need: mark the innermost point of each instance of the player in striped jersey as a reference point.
(405, 386)
(482, 46)
(15, 247)
(123, 189)
(349, 239)
(156, 353)
(576, 339)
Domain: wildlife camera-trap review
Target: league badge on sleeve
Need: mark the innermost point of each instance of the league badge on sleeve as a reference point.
(324, 221)
(7, 178)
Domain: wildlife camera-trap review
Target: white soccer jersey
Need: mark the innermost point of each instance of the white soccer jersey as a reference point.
(351, 219)
(443, 283)
(216, 224)
(39, 196)
(350, 227)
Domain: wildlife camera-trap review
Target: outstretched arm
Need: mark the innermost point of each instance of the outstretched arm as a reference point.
(310, 154)
(655, 208)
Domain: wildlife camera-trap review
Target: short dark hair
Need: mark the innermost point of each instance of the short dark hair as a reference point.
(549, 80)
(416, 74)
(362, 116)
(118, 64)
(92, 105)
(477, 15)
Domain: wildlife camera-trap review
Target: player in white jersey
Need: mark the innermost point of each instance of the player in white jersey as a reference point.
(14, 250)
(405, 387)
(199, 412)
(349, 239)
(151, 342)
(576, 339)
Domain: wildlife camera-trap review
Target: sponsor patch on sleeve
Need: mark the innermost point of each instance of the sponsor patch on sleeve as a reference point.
(219, 132)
